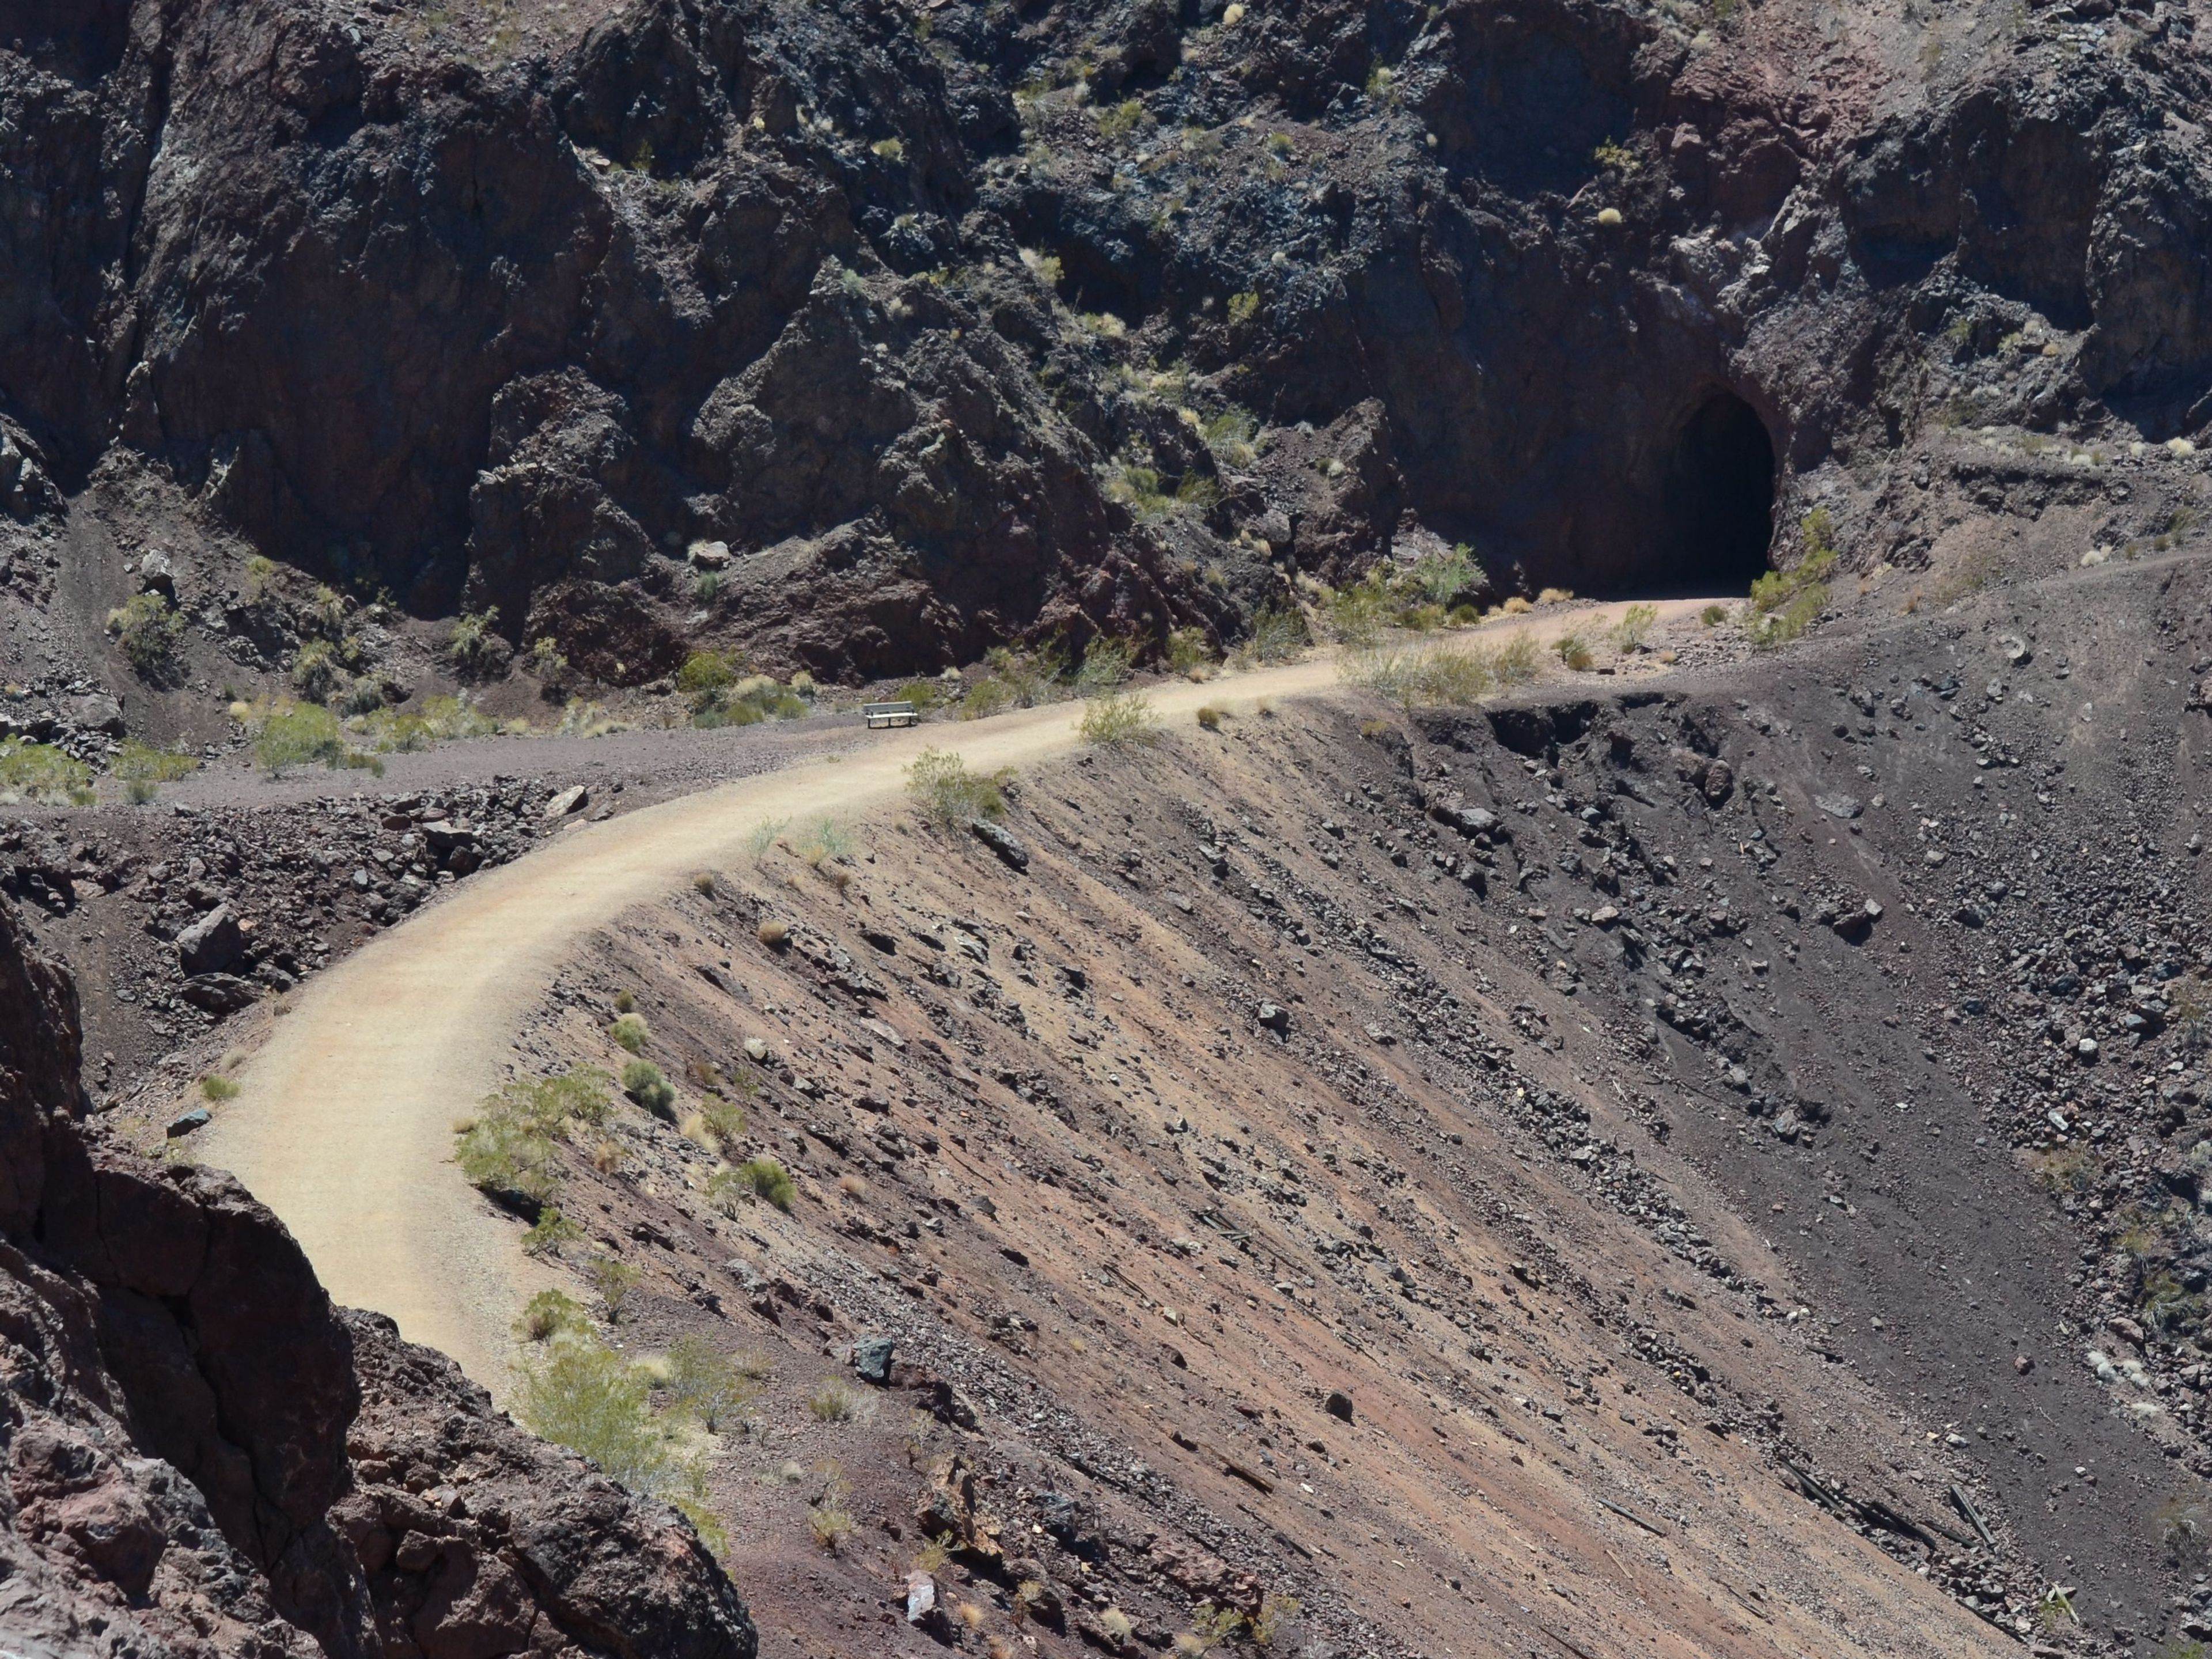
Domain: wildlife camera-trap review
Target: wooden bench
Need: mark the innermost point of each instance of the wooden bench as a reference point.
(887, 714)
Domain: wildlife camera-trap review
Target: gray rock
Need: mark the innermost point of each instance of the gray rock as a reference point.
(97, 713)
(185, 1122)
(1003, 841)
(710, 556)
(1718, 780)
(1338, 1405)
(1469, 821)
(871, 1359)
(1839, 806)
(157, 575)
(572, 799)
(211, 943)
(1275, 1017)
(221, 994)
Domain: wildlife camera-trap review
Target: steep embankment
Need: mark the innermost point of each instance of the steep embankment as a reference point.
(204, 1457)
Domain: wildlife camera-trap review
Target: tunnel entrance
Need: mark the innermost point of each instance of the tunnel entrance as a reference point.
(1717, 506)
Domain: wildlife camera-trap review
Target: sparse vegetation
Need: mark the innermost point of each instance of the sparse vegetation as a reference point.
(508, 1150)
(215, 1088)
(549, 1314)
(646, 1084)
(1106, 663)
(710, 1386)
(584, 1395)
(1785, 603)
(767, 1179)
(1210, 717)
(287, 733)
(773, 933)
(827, 1517)
(474, 649)
(943, 789)
(614, 1281)
(144, 768)
(630, 1031)
(1574, 650)
(835, 1400)
(1120, 720)
(1713, 614)
(149, 630)
(1635, 627)
(39, 772)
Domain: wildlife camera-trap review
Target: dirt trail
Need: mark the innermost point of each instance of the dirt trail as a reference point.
(343, 1126)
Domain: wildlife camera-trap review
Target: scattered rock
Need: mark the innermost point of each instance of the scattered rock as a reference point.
(574, 798)
(211, 943)
(185, 1123)
(1338, 1405)
(871, 1359)
(1003, 841)
(1275, 1017)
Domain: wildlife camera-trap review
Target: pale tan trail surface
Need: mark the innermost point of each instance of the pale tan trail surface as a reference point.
(344, 1124)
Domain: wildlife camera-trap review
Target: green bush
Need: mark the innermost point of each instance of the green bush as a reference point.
(551, 1233)
(944, 789)
(1635, 626)
(37, 771)
(769, 1180)
(442, 720)
(315, 672)
(710, 1385)
(148, 629)
(217, 1088)
(1441, 577)
(645, 1083)
(614, 1281)
(1516, 662)
(1785, 603)
(1573, 650)
(835, 1400)
(508, 1152)
(720, 698)
(294, 734)
(1436, 676)
(584, 1396)
(723, 1119)
(475, 649)
(1188, 649)
(1106, 663)
(549, 1314)
(630, 1031)
(1278, 631)
(1120, 720)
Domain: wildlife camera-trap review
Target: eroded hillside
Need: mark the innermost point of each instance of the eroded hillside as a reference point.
(1586, 1171)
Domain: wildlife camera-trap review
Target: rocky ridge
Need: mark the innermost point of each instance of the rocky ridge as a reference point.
(203, 1457)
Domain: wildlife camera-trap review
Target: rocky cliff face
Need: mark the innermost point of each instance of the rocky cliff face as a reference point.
(956, 321)
(201, 1456)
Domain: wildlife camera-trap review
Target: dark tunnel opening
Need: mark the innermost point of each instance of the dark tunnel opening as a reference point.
(1717, 510)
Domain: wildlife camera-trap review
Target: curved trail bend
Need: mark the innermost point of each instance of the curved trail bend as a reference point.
(343, 1126)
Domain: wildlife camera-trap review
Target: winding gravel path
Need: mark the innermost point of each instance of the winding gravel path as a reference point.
(343, 1126)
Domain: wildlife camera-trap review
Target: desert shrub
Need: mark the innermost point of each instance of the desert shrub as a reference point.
(835, 1400)
(549, 1314)
(1189, 650)
(1120, 720)
(702, 883)
(215, 1088)
(774, 933)
(143, 768)
(705, 673)
(614, 1281)
(474, 649)
(1442, 578)
(260, 571)
(551, 1233)
(1713, 614)
(1516, 604)
(1554, 595)
(1434, 676)
(1233, 436)
(1118, 121)
(831, 1524)
(1209, 718)
(1106, 663)
(442, 719)
(315, 672)
(827, 842)
(630, 1031)
(722, 1119)
(943, 789)
(508, 1151)
(768, 1179)
(645, 1083)
(723, 699)
(37, 771)
(1635, 627)
(1573, 650)
(1016, 680)
(710, 1385)
(287, 733)
(148, 629)
(584, 1396)
(985, 698)
(1516, 662)
(1242, 307)
(1357, 614)
(1785, 603)
(625, 1001)
(1278, 631)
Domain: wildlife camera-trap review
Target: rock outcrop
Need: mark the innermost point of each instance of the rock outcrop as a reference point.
(951, 323)
(202, 1455)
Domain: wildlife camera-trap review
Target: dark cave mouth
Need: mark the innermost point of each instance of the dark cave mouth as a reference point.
(1716, 503)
